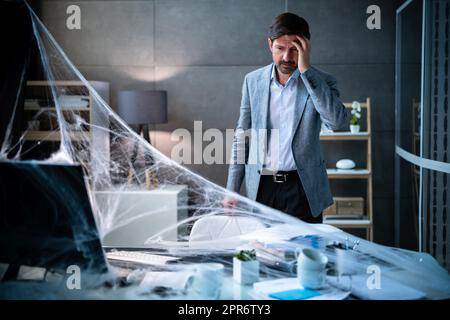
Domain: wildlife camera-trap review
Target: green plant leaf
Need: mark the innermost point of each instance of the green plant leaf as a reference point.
(245, 255)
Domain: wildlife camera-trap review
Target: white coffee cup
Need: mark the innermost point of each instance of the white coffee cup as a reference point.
(208, 280)
(311, 268)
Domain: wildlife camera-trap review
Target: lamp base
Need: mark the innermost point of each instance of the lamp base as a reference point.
(151, 179)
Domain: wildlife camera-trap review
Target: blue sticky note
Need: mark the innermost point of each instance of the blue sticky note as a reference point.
(296, 294)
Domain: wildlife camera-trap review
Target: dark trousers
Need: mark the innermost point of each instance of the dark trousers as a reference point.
(288, 196)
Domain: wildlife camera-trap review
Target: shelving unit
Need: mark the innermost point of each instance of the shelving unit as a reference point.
(40, 88)
(363, 173)
(39, 107)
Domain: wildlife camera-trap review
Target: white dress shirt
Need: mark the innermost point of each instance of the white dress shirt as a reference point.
(279, 155)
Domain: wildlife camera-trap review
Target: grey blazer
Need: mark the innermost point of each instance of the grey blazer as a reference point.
(317, 101)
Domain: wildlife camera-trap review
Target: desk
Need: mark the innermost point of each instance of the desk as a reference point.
(140, 214)
(425, 275)
(397, 267)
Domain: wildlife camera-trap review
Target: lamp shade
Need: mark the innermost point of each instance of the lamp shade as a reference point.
(142, 107)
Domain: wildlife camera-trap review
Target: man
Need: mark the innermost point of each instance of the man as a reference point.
(290, 99)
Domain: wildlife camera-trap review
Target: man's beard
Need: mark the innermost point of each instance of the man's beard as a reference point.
(286, 67)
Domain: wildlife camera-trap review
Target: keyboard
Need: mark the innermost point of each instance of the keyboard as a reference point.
(140, 257)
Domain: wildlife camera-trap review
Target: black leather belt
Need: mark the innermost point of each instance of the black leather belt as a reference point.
(279, 176)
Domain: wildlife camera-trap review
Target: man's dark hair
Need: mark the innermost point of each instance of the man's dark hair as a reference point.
(289, 24)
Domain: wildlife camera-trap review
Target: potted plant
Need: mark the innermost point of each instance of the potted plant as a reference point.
(245, 267)
(356, 115)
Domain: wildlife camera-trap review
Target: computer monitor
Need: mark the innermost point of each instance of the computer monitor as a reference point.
(46, 218)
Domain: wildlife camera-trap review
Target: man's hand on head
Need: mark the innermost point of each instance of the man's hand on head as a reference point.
(303, 46)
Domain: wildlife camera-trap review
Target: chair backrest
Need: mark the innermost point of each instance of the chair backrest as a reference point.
(221, 227)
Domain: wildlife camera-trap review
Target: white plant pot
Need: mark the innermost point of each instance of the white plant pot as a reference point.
(354, 128)
(245, 272)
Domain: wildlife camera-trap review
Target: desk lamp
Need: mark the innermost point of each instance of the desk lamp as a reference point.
(141, 108)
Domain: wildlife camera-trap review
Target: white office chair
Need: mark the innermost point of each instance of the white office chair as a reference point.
(221, 227)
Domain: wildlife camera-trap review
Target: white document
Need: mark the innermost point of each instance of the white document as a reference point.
(285, 232)
(178, 280)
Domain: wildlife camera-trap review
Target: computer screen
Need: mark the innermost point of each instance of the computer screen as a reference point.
(46, 219)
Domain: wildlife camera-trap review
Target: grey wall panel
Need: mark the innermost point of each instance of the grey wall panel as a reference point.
(357, 82)
(208, 94)
(116, 33)
(121, 78)
(218, 32)
(339, 34)
(215, 170)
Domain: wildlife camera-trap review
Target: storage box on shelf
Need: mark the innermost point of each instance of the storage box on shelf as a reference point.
(346, 207)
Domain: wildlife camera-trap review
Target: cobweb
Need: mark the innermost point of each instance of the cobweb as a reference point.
(117, 162)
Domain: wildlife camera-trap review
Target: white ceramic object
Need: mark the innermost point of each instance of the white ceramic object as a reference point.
(354, 128)
(345, 262)
(311, 268)
(245, 272)
(312, 279)
(346, 164)
(310, 259)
